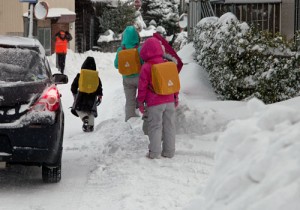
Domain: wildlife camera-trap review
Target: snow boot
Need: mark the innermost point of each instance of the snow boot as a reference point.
(85, 126)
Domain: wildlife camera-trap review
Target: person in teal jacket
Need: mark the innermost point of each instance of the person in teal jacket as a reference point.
(130, 39)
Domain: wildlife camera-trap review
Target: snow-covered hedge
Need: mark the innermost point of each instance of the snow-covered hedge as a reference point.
(243, 62)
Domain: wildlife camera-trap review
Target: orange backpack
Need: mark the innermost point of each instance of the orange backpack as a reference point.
(88, 81)
(129, 62)
(165, 78)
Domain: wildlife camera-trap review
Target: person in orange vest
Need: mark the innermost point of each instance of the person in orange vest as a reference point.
(61, 47)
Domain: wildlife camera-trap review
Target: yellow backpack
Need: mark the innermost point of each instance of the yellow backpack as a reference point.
(129, 61)
(165, 78)
(88, 81)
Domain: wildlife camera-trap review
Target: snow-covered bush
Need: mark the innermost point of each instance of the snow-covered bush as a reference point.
(117, 18)
(180, 41)
(243, 62)
(163, 12)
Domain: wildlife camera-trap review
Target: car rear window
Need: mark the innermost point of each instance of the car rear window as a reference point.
(21, 65)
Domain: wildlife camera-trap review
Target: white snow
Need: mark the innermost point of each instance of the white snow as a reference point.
(148, 31)
(21, 41)
(107, 36)
(230, 155)
(112, 2)
(56, 12)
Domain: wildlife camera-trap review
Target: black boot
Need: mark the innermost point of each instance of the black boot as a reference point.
(90, 128)
(85, 125)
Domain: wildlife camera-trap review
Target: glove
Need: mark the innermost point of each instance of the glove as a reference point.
(99, 99)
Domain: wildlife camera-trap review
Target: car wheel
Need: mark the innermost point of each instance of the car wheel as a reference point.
(51, 174)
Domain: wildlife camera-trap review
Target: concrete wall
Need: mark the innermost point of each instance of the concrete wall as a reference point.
(11, 17)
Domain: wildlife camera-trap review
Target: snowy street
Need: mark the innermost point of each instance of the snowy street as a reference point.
(108, 170)
(237, 115)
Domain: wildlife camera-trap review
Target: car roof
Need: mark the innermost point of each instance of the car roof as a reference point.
(22, 42)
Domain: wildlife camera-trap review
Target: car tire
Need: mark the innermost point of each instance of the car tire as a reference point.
(51, 174)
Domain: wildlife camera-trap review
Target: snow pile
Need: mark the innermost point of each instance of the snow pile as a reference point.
(148, 31)
(107, 36)
(257, 162)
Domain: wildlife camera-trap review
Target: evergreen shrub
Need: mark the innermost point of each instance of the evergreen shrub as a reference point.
(243, 62)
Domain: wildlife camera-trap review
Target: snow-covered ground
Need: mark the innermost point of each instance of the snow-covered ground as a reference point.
(230, 155)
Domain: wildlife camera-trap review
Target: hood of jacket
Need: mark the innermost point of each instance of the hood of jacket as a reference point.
(130, 37)
(151, 49)
(89, 64)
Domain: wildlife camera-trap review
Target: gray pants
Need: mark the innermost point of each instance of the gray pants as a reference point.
(130, 89)
(90, 116)
(161, 130)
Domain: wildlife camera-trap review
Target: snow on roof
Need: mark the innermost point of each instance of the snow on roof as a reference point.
(56, 12)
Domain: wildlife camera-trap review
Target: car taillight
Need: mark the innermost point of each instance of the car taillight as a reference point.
(49, 100)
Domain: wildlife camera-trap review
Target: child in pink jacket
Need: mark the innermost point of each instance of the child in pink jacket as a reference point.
(160, 108)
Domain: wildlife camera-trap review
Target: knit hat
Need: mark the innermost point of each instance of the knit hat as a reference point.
(89, 63)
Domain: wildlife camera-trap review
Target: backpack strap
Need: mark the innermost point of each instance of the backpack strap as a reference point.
(150, 86)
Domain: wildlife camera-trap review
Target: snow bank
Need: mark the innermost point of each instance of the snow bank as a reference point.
(257, 162)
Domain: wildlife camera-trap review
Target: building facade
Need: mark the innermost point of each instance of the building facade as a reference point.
(61, 16)
(272, 15)
(11, 17)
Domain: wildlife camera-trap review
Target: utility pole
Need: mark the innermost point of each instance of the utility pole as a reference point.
(30, 34)
(30, 16)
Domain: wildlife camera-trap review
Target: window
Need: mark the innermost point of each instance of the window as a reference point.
(44, 36)
(18, 64)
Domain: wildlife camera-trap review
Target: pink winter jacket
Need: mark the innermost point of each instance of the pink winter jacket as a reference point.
(151, 53)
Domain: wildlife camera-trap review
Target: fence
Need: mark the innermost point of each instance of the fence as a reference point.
(198, 9)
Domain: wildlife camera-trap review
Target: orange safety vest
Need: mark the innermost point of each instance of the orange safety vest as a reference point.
(61, 46)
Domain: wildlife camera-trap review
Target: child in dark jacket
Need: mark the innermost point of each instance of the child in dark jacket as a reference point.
(85, 104)
(160, 108)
